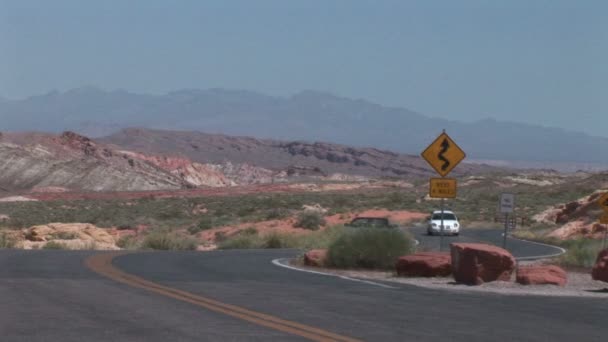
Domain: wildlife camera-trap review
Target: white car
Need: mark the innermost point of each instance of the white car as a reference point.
(450, 223)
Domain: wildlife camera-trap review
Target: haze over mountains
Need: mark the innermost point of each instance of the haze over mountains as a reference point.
(308, 116)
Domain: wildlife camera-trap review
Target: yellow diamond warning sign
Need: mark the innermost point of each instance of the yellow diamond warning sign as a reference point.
(442, 188)
(443, 154)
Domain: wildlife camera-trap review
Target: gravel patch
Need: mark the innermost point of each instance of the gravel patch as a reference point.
(579, 284)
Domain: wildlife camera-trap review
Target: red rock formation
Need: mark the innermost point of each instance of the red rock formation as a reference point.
(315, 257)
(600, 270)
(476, 263)
(541, 275)
(428, 264)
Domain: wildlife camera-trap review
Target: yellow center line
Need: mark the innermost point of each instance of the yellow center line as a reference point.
(102, 264)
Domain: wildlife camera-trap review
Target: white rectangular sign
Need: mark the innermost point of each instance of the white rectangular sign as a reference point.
(507, 203)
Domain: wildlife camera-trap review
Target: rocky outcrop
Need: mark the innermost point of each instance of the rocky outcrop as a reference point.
(69, 235)
(541, 275)
(600, 269)
(76, 163)
(427, 264)
(477, 263)
(315, 258)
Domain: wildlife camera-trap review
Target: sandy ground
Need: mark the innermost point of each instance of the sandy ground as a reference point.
(579, 284)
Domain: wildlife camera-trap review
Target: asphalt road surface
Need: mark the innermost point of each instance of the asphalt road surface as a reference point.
(522, 250)
(241, 296)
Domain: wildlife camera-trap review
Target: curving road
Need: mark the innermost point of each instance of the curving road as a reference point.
(242, 296)
(522, 250)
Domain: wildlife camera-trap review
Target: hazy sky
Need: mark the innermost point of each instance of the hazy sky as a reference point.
(543, 62)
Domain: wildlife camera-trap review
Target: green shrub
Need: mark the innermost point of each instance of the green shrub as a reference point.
(310, 220)
(249, 231)
(249, 238)
(580, 252)
(127, 242)
(54, 245)
(282, 240)
(168, 241)
(277, 214)
(374, 248)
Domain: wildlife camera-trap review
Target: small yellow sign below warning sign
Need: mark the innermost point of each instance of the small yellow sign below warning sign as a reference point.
(442, 188)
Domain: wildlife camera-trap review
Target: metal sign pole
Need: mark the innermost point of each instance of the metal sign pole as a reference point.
(441, 228)
(504, 236)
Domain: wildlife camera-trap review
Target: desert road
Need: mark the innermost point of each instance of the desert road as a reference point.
(50, 295)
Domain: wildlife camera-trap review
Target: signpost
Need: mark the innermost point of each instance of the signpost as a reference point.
(443, 155)
(507, 205)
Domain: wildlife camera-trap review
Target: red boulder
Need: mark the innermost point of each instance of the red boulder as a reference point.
(315, 257)
(476, 263)
(600, 270)
(540, 275)
(429, 264)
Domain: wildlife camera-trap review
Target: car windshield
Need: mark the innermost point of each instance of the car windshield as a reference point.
(446, 217)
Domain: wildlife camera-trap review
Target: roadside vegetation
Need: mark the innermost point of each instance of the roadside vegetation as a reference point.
(6, 241)
(250, 239)
(370, 248)
(164, 240)
(580, 252)
(474, 203)
(174, 223)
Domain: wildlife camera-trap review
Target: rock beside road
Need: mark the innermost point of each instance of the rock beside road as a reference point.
(600, 270)
(315, 257)
(426, 264)
(541, 275)
(477, 263)
(68, 235)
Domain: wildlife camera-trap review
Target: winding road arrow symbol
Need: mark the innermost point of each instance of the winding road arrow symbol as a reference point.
(445, 145)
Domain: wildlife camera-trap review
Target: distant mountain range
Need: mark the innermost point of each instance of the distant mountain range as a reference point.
(306, 116)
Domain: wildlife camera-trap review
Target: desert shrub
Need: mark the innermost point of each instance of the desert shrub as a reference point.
(276, 214)
(168, 241)
(127, 242)
(580, 252)
(374, 248)
(54, 245)
(249, 238)
(282, 240)
(6, 241)
(274, 241)
(249, 231)
(310, 220)
(205, 223)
